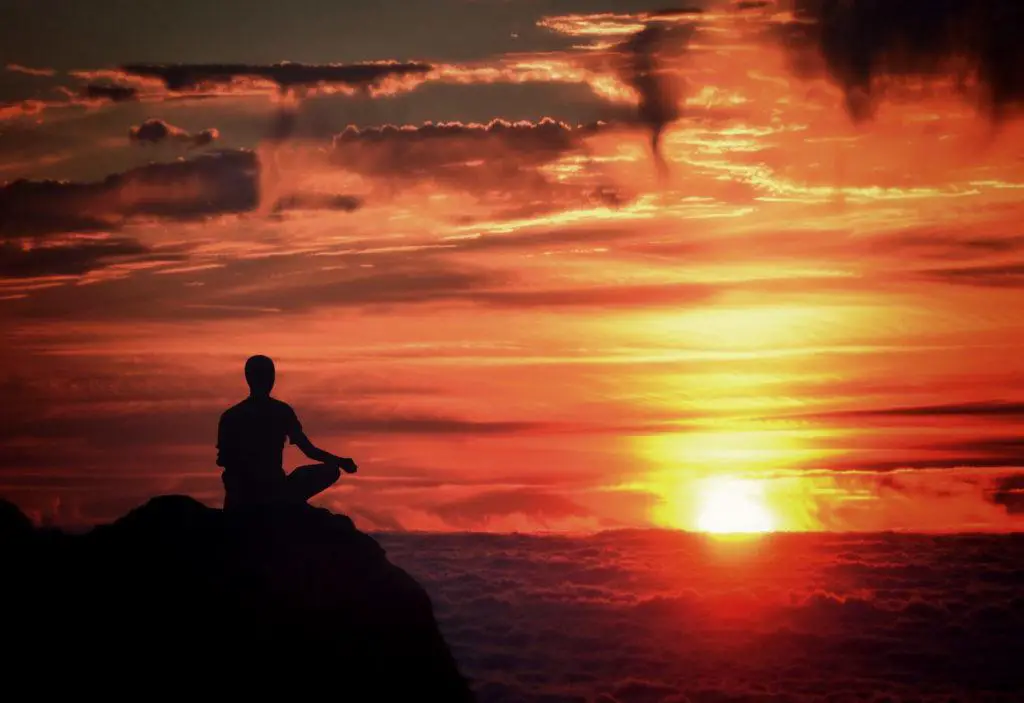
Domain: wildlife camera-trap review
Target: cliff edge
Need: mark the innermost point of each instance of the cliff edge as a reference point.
(176, 597)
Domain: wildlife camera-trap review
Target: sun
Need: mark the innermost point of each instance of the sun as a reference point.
(734, 506)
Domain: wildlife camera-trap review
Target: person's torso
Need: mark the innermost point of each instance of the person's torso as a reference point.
(253, 435)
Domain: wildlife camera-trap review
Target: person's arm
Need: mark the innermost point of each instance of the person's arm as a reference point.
(221, 443)
(299, 439)
(315, 453)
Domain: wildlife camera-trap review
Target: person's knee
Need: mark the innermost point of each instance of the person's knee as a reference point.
(308, 481)
(326, 476)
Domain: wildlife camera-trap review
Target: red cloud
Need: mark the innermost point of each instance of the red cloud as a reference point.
(42, 72)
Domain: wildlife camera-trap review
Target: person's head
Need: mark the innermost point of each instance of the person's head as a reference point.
(259, 374)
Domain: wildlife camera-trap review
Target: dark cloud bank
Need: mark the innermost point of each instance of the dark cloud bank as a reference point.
(216, 183)
(181, 77)
(113, 93)
(651, 617)
(475, 157)
(498, 153)
(865, 45)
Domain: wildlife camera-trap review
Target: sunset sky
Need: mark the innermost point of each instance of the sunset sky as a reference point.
(445, 223)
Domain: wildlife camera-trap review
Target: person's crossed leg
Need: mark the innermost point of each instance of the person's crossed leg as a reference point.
(307, 481)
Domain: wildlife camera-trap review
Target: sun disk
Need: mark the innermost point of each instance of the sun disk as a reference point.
(731, 506)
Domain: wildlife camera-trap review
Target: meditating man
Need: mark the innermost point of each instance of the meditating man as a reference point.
(250, 448)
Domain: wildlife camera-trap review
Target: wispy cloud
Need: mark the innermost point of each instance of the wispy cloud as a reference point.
(72, 257)
(26, 70)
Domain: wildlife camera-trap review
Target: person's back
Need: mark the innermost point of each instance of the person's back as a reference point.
(250, 447)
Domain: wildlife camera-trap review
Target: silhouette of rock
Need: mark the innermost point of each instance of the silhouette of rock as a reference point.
(178, 597)
(13, 523)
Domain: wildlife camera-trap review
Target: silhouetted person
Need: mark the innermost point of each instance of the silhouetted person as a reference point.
(250, 448)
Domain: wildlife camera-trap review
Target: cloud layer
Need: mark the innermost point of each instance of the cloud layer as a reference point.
(671, 618)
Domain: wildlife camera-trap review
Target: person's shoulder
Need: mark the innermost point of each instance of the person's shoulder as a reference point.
(281, 406)
(234, 409)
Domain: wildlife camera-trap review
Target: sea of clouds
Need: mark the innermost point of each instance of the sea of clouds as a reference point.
(660, 617)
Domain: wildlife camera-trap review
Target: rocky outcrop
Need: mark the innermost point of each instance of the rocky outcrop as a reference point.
(176, 598)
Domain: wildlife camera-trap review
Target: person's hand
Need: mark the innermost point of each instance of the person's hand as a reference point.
(347, 465)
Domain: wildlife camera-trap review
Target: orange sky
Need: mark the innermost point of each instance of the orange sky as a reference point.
(520, 330)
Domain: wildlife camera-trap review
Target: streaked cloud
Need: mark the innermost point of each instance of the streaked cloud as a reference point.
(287, 76)
(29, 71)
(69, 258)
(113, 93)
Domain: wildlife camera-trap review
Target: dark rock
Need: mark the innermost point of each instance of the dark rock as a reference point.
(13, 523)
(177, 598)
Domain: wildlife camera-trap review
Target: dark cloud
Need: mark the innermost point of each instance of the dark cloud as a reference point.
(72, 259)
(154, 131)
(216, 183)
(1002, 446)
(980, 409)
(955, 461)
(318, 201)
(1009, 493)
(897, 483)
(989, 276)
(181, 77)
(211, 184)
(545, 135)
(499, 154)
(946, 245)
(430, 425)
(160, 426)
(642, 60)
(113, 93)
(866, 45)
(489, 158)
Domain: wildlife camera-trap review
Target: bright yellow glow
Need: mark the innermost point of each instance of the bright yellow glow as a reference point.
(732, 506)
(740, 480)
(745, 447)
